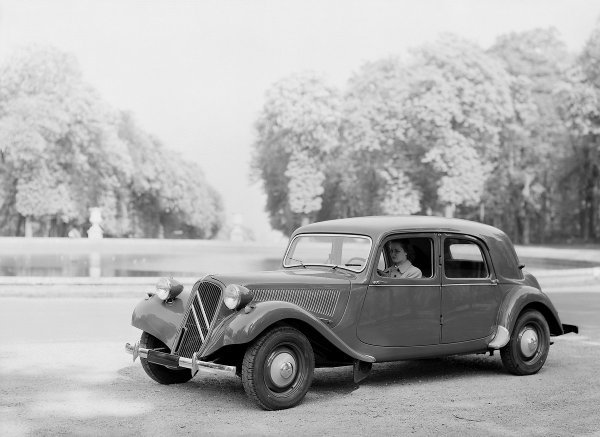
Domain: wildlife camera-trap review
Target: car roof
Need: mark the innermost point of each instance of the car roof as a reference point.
(375, 226)
(502, 251)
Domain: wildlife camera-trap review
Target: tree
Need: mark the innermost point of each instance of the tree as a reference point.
(372, 172)
(63, 150)
(580, 108)
(459, 99)
(57, 135)
(296, 130)
(532, 139)
(167, 193)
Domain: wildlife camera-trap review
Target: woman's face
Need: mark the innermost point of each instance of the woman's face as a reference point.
(397, 253)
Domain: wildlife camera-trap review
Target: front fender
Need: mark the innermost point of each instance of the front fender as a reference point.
(159, 318)
(522, 296)
(242, 327)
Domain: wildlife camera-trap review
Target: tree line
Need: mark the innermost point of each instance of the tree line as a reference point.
(508, 135)
(63, 150)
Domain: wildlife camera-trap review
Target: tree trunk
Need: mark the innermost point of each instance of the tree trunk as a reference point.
(28, 227)
(526, 229)
(449, 210)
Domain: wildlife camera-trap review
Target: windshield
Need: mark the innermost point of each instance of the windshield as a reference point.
(349, 252)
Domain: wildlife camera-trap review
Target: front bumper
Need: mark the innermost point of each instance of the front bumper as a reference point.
(174, 361)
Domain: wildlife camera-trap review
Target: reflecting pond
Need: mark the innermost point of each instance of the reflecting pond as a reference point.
(96, 264)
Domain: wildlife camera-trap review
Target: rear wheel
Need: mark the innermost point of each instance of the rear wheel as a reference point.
(278, 368)
(527, 349)
(161, 374)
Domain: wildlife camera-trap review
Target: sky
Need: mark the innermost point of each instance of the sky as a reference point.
(195, 73)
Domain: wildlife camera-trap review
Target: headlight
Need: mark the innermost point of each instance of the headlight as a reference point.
(236, 296)
(168, 288)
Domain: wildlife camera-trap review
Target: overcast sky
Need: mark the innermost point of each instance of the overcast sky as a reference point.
(194, 73)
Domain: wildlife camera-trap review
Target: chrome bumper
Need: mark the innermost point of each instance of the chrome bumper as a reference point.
(169, 360)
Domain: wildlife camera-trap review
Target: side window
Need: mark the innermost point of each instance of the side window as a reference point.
(408, 258)
(464, 259)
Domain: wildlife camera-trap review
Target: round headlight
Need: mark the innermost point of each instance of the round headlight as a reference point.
(236, 296)
(163, 288)
(168, 288)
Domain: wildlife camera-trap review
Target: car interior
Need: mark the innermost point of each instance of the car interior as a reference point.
(423, 255)
(463, 259)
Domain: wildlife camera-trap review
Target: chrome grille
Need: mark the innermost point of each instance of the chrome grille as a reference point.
(323, 301)
(205, 302)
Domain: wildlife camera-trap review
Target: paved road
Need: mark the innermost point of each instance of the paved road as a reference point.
(63, 371)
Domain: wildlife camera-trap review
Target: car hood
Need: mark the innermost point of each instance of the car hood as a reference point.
(296, 277)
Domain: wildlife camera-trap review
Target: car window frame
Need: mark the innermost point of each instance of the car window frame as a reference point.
(484, 249)
(329, 234)
(377, 279)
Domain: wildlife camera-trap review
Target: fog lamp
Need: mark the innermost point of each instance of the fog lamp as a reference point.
(236, 296)
(168, 288)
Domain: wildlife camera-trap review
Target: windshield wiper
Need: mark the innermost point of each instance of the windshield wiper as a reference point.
(293, 259)
(346, 265)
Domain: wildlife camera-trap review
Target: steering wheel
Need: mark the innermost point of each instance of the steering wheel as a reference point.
(356, 259)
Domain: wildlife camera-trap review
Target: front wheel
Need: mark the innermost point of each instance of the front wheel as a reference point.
(161, 374)
(278, 368)
(526, 351)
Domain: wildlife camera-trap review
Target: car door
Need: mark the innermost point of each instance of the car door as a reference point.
(402, 311)
(470, 294)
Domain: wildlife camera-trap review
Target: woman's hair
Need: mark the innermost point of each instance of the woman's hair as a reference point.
(405, 244)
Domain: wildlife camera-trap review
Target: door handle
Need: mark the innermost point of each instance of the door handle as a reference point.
(377, 282)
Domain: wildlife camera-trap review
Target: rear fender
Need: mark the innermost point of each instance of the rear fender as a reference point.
(522, 297)
(159, 318)
(243, 327)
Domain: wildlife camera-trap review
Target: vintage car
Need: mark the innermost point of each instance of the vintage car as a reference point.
(342, 297)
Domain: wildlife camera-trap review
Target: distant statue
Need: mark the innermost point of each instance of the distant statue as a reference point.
(95, 231)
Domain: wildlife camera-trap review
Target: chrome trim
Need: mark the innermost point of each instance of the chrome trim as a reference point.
(197, 321)
(477, 283)
(329, 235)
(372, 284)
(501, 338)
(193, 364)
(203, 312)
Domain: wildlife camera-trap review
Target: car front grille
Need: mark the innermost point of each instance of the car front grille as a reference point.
(205, 302)
(319, 301)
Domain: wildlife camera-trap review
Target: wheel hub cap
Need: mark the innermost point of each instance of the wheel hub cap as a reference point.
(529, 342)
(283, 369)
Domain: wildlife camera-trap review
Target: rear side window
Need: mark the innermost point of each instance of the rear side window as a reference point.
(464, 259)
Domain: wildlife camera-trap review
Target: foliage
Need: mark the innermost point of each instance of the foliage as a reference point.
(296, 130)
(63, 151)
(509, 136)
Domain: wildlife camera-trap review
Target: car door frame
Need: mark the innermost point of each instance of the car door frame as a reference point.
(469, 306)
(399, 312)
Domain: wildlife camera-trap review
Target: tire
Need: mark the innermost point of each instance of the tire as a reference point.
(278, 368)
(161, 374)
(526, 351)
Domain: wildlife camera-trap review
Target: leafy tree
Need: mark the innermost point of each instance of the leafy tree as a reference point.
(579, 100)
(459, 99)
(166, 192)
(63, 150)
(296, 130)
(532, 139)
(373, 172)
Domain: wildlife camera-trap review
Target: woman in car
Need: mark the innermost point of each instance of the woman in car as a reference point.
(401, 254)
